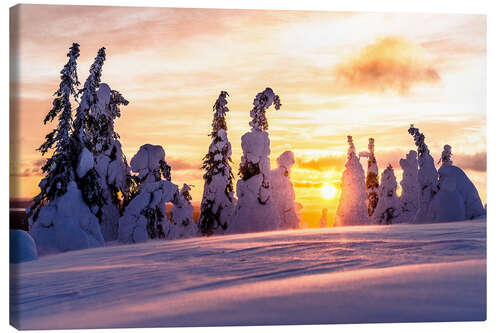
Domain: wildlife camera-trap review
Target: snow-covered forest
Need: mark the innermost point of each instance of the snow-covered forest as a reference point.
(91, 196)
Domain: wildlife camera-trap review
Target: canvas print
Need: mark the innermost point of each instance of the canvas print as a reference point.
(210, 167)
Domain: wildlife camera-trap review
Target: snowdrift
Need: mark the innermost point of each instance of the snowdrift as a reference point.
(397, 273)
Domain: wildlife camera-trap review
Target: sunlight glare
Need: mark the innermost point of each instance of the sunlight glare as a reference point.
(328, 191)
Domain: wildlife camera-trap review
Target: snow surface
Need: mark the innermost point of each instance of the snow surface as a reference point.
(22, 247)
(396, 273)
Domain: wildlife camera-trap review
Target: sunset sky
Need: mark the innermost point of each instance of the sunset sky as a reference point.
(337, 74)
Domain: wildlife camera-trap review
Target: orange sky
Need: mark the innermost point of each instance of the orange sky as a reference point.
(360, 74)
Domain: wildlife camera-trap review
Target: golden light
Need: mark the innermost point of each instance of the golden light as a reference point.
(328, 191)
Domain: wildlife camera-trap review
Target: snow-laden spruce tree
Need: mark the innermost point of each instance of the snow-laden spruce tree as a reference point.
(371, 177)
(283, 193)
(446, 156)
(87, 177)
(60, 219)
(110, 162)
(457, 198)
(145, 211)
(255, 210)
(427, 176)
(323, 221)
(410, 189)
(352, 208)
(388, 207)
(218, 201)
(181, 224)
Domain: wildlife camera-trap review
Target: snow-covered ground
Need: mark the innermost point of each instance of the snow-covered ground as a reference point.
(398, 273)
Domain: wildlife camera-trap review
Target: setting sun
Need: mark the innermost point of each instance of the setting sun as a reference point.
(328, 191)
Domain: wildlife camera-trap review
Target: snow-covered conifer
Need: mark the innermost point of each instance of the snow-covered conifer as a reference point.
(87, 176)
(58, 169)
(145, 212)
(60, 220)
(457, 198)
(410, 189)
(181, 224)
(446, 156)
(427, 176)
(110, 162)
(323, 222)
(371, 177)
(218, 201)
(283, 193)
(388, 207)
(255, 210)
(352, 205)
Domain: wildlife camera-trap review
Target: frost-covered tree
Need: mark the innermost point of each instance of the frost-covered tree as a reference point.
(457, 198)
(352, 205)
(87, 176)
(410, 189)
(388, 208)
(371, 177)
(110, 162)
(218, 201)
(283, 193)
(446, 156)
(58, 169)
(145, 213)
(181, 224)
(323, 221)
(60, 219)
(427, 176)
(255, 210)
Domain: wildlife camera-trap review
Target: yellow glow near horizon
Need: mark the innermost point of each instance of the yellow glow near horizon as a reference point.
(328, 191)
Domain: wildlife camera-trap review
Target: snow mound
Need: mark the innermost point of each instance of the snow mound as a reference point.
(66, 224)
(22, 247)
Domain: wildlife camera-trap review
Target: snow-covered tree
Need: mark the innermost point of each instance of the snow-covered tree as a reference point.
(60, 219)
(323, 221)
(110, 162)
(218, 201)
(410, 188)
(446, 156)
(388, 207)
(427, 176)
(371, 177)
(145, 212)
(58, 169)
(352, 205)
(87, 176)
(283, 193)
(255, 210)
(181, 224)
(457, 198)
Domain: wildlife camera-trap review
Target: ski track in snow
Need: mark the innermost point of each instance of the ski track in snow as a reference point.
(335, 275)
